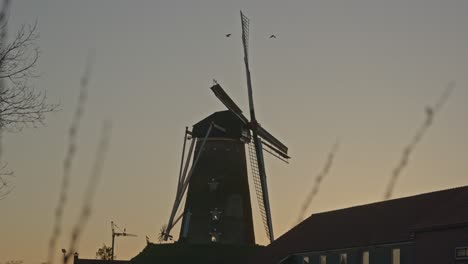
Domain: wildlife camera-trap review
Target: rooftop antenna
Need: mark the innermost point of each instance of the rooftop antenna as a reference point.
(114, 234)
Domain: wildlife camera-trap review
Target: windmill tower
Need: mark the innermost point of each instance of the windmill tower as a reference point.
(217, 202)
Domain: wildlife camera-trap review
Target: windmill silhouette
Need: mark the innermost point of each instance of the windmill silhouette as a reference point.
(216, 189)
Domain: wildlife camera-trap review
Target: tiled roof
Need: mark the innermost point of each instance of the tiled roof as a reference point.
(384, 222)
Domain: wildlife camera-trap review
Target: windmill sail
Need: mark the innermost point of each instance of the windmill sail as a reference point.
(276, 145)
(228, 102)
(258, 186)
(254, 126)
(263, 184)
(245, 43)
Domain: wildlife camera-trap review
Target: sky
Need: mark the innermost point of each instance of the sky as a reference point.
(360, 71)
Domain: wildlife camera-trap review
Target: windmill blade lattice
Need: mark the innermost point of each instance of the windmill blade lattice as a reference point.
(245, 34)
(255, 128)
(258, 186)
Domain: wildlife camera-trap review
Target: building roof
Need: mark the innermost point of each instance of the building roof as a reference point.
(180, 252)
(224, 119)
(77, 260)
(391, 221)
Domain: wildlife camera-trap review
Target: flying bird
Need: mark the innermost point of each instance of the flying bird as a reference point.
(228, 35)
(273, 36)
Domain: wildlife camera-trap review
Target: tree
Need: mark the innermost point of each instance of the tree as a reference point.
(104, 253)
(5, 187)
(21, 104)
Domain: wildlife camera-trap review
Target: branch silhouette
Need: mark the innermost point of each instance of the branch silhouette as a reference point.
(318, 180)
(93, 183)
(4, 185)
(430, 113)
(69, 157)
(21, 104)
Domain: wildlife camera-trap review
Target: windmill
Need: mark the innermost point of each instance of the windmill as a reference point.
(117, 234)
(217, 205)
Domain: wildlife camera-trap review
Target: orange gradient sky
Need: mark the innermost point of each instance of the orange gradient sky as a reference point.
(362, 71)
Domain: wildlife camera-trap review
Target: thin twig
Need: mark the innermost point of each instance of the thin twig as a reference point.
(318, 180)
(93, 182)
(69, 157)
(408, 150)
(4, 190)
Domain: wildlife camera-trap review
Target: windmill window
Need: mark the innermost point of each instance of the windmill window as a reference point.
(323, 259)
(365, 257)
(461, 252)
(396, 256)
(214, 236)
(343, 258)
(234, 206)
(213, 185)
(215, 214)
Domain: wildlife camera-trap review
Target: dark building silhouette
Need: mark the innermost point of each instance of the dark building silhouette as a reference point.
(77, 260)
(421, 229)
(217, 223)
(182, 253)
(218, 207)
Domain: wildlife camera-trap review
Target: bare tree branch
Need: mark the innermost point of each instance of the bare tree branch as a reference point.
(90, 189)
(69, 157)
(21, 104)
(408, 150)
(5, 186)
(318, 180)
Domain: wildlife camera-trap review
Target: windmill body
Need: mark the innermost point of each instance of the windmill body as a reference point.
(216, 188)
(218, 206)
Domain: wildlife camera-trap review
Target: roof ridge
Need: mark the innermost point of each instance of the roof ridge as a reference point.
(392, 200)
